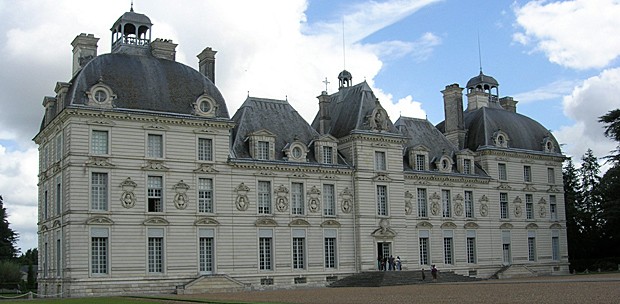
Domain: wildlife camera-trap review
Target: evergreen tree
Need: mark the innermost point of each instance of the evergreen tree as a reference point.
(610, 192)
(589, 221)
(612, 130)
(8, 237)
(571, 199)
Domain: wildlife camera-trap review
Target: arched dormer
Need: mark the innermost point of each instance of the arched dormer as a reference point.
(131, 29)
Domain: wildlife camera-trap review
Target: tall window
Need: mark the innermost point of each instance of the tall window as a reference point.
(553, 207)
(45, 204)
(555, 245)
(448, 248)
(420, 162)
(503, 205)
(264, 197)
(381, 200)
(501, 169)
(99, 142)
(205, 149)
(59, 147)
(154, 194)
(265, 257)
(297, 198)
(380, 161)
(263, 150)
(205, 195)
(156, 250)
(467, 166)
(527, 174)
(58, 258)
(424, 250)
(422, 203)
(58, 195)
(531, 247)
(328, 157)
(99, 251)
(155, 146)
(99, 191)
(445, 202)
(329, 200)
(206, 250)
(330, 248)
(529, 207)
(550, 175)
(299, 244)
(469, 204)
(471, 247)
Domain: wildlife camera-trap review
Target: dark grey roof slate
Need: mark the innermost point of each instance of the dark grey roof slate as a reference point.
(275, 116)
(422, 132)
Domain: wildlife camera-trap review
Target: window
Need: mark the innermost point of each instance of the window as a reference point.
(206, 250)
(380, 161)
(469, 204)
(531, 246)
(328, 157)
(420, 162)
(467, 166)
(45, 260)
(422, 203)
(329, 200)
(299, 244)
(529, 207)
(471, 247)
(99, 142)
(424, 250)
(154, 194)
(205, 195)
(99, 251)
(382, 200)
(263, 150)
(156, 250)
(330, 248)
(205, 149)
(553, 207)
(446, 205)
(501, 168)
(527, 174)
(448, 248)
(99, 191)
(551, 176)
(506, 251)
(264, 197)
(503, 205)
(45, 205)
(155, 146)
(58, 258)
(44, 158)
(58, 195)
(59, 147)
(265, 249)
(555, 245)
(297, 198)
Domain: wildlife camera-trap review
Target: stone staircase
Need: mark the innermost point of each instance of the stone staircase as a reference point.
(393, 278)
(514, 271)
(211, 283)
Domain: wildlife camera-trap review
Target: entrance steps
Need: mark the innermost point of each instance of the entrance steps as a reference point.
(211, 283)
(514, 271)
(393, 278)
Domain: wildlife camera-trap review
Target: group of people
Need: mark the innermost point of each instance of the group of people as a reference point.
(389, 263)
(434, 273)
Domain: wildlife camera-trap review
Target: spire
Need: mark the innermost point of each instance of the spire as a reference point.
(131, 10)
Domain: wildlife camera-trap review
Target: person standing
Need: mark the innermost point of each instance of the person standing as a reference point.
(434, 272)
(398, 263)
(423, 275)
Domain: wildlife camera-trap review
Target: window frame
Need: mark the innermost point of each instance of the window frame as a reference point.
(422, 201)
(381, 192)
(380, 161)
(527, 174)
(204, 149)
(96, 142)
(264, 198)
(102, 235)
(502, 172)
(297, 199)
(329, 200)
(155, 150)
(468, 198)
(103, 203)
(151, 194)
(503, 206)
(156, 251)
(446, 203)
(206, 195)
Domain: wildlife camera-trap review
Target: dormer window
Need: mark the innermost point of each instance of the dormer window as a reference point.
(100, 95)
(500, 139)
(205, 106)
(465, 161)
(262, 151)
(419, 157)
(262, 145)
(326, 150)
(444, 164)
(548, 145)
(328, 155)
(296, 151)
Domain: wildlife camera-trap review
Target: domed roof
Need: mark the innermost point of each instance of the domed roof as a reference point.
(345, 75)
(144, 82)
(132, 17)
(482, 79)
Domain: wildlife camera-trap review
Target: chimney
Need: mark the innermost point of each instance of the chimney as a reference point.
(508, 104)
(49, 103)
(206, 63)
(324, 118)
(84, 50)
(454, 128)
(164, 49)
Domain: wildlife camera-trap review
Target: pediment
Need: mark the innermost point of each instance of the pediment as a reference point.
(466, 152)
(101, 162)
(382, 177)
(99, 220)
(156, 221)
(101, 122)
(153, 165)
(155, 126)
(424, 224)
(330, 224)
(265, 222)
(555, 226)
(262, 132)
(326, 137)
(56, 224)
(419, 148)
(299, 223)
(384, 233)
(205, 168)
(448, 225)
(299, 175)
(471, 225)
(531, 226)
(206, 221)
(506, 226)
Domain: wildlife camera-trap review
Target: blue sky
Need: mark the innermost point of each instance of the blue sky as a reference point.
(558, 58)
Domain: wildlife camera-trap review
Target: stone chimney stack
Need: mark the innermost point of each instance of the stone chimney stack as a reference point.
(324, 118)
(206, 63)
(454, 128)
(164, 49)
(84, 50)
(508, 104)
(49, 103)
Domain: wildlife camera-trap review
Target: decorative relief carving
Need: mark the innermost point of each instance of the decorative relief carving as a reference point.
(484, 208)
(553, 188)
(458, 208)
(128, 198)
(281, 198)
(299, 223)
(330, 176)
(471, 225)
(529, 188)
(504, 186)
(448, 225)
(435, 203)
(424, 224)
(205, 168)
(330, 224)
(99, 162)
(531, 226)
(506, 226)
(347, 200)
(408, 204)
(542, 207)
(206, 221)
(266, 222)
(378, 119)
(180, 198)
(155, 165)
(314, 203)
(381, 177)
(265, 173)
(299, 175)
(242, 202)
(155, 126)
(446, 184)
(99, 220)
(384, 231)
(518, 211)
(555, 226)
(156, 221)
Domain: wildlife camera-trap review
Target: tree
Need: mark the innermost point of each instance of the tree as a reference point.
(571, 199)
(612, 130)
(8, 237)
(610, 214)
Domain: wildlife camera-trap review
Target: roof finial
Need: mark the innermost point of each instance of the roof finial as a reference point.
(326, 83)
(479, 53)
(131, 10)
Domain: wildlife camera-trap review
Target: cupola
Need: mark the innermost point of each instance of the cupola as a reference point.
(131, 33)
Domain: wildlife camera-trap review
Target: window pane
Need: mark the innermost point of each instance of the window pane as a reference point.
(529, 206)
(263, 150)
(99, 191)
(466, 166)
(327, 155)
(330, 252)
(424, 251)
(205, 149)
(501, 168)
(420, 162)
(156, 255)
(99, 255)
(503, 205)
(297, 198)
(154, 194)
(527, 174)
(422, 203)
(329, 201)
(380, 161)
(382, 200)
(469, 204)
(155, 146)
(471, 250)
(265, 262)
(205, 195)
(298, 253)
(206, 254)
(264, 197)
(446, 204)
(447, 250)
(99, 142)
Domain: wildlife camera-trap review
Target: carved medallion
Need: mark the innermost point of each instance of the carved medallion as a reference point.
(128, 198)
(281, 198)
(180, 198)
(314, 204)
(242, 202)
(347, 200)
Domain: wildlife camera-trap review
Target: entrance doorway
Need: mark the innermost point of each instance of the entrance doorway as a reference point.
(384, 250)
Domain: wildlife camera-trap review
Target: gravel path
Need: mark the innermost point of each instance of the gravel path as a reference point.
(597, 288)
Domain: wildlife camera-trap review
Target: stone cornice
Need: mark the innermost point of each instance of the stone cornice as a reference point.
(294, 168)
(524, 156)
(374, 137)
(421, 178)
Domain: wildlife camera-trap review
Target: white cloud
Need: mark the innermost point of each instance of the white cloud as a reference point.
(420, 49)
(593, 98)
(554, 90)
(578, 34)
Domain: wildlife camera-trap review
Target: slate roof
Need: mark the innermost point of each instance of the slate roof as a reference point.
(422, 132)
(275, 116)
(349, 109)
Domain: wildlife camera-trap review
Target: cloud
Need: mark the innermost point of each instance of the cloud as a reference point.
(554, 90)
(577, 34)
(420, 49)
(591, 99)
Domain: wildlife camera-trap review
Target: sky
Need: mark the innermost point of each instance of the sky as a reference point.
(559, 59)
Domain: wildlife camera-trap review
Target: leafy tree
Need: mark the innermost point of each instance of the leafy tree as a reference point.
(612, 130)
(610, 214)
(8, 237)
(30, 257)
(10, 275)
